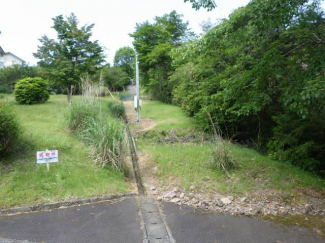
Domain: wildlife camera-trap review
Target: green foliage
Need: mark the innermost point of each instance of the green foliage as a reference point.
(154, 43)
(125, 58)
(197, 4)
(78, 115)
(260, 74)
(124, 95)
(75, 176)
(9, 76)
(115, 78)
(72, 55)
(31, 91)
(105, 135)
(4, 89)
(116, 108)
(9, 129)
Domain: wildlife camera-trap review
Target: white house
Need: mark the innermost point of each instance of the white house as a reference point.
(8, 59)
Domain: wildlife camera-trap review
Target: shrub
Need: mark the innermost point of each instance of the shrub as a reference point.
(104, 134)
(31, 91)
(9, 129)
(125, 95)
(4, 89)
(108, 141)
(116, 108)
(78, 115)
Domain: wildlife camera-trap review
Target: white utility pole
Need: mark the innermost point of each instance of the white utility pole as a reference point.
(137, 86)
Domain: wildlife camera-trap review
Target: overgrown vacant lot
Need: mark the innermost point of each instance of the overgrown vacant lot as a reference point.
(24, 182)
(176, 149)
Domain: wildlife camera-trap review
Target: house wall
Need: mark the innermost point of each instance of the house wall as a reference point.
(8, 60)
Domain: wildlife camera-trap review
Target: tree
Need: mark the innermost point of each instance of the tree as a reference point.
(124, 58)
(115, 78)
(197, 4)
(71, 55)
(260, 74)
(154, 43)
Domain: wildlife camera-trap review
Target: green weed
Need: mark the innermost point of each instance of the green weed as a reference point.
(24, 182)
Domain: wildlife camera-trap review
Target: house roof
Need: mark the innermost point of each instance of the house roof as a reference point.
(9, 53)
(2, 53)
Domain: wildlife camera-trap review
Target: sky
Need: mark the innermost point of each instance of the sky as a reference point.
(24, 22)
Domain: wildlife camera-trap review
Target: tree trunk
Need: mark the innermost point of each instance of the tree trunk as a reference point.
(69, 94)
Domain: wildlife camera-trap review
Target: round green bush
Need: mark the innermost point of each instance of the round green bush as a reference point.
(31, 91)
(9, 129)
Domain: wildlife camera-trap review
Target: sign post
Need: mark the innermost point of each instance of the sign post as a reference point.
(47, 156)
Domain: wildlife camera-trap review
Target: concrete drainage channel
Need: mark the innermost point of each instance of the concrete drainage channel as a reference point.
(155, 229)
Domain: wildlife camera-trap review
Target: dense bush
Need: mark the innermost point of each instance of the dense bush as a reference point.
(107, 138)
(116, 108)
(78, 115)
(115, 78)
(31, 91)
(104, 134)
(9, 76)
(260, 74)
(4, 89)
(9, 129)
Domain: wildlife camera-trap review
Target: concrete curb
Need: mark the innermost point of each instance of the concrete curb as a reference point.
(56, 205)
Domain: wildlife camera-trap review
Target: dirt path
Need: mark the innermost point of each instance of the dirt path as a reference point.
(143, 125)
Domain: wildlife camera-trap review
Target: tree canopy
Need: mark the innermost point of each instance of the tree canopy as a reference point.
(197, 4)
(125, 58)
(154, 42)
(260, 75)
(71, 55)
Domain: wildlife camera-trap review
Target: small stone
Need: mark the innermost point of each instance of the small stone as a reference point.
(225, 200)
(192, 187)
(175, 200)
(172, 195)
(243, 199)
(175, 189)
(169, 195)
(152, 188)
(308, 208)
(230, 198)
(182, 195)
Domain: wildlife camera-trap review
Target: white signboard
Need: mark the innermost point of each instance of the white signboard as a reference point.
(135, 102)
(47, 156)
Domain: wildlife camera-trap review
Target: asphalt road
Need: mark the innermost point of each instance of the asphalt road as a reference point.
(119, 223)
(196, 226)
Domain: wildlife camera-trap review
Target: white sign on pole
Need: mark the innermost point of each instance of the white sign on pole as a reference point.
(47, 156)
(135, 102)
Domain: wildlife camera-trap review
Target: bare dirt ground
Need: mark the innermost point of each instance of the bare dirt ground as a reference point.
(144, 125)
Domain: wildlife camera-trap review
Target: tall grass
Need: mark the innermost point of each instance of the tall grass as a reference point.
(79, 114)
(220, 150)
(107, 138)
(116, 108)
(103, 133)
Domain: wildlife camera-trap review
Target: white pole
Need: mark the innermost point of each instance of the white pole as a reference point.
(137, 86)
